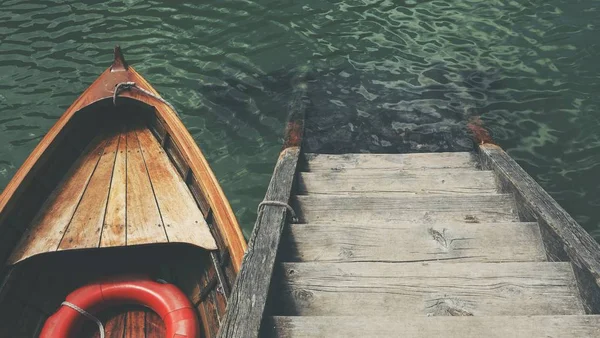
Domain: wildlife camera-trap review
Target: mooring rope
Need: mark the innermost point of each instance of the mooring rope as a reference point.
(277, 204)
(86, 314)
(132, 85)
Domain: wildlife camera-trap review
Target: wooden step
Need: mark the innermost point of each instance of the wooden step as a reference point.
(455, 242)
(428, 289)
(415, 208)
(435, 327)
(398, 181)
(316, 162)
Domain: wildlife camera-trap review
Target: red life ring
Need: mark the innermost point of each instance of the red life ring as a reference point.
(166, 300)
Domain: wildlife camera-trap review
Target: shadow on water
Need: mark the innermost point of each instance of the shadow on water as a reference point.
(393, 120)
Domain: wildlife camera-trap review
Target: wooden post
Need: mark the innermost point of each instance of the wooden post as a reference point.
(248, 299)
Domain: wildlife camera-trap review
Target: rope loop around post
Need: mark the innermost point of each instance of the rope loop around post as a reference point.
(278, 204)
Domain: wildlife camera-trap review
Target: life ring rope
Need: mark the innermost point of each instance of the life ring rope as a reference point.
(86, 314)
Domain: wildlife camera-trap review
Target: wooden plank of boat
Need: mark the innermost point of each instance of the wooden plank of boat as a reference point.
(85, 227)
(180, 215)
(135, 320)
(153, 326)
(114, 232)
(115, 326)
(46, 230)
(144, 224)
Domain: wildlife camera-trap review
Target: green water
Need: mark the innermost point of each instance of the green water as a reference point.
(385, 76)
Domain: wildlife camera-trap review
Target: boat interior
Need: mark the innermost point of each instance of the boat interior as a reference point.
(115, 196)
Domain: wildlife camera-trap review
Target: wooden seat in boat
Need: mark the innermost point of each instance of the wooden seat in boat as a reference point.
(122, 190)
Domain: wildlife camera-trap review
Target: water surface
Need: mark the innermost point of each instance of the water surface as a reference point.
(385, 76)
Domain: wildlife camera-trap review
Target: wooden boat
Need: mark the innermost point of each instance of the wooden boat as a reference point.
(117, 186)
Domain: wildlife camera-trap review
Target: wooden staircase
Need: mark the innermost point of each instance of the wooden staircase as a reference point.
(416, 245)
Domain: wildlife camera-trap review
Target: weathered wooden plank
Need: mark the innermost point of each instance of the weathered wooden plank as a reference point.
(85, 228)
(432, 327)
(562, 235)
(136, 322)
(454, 242)
(431, 289)
(157, 127)
(115, 326)
(248, 297)
(400, 181)
(176, 157)
(208, 306)
(394, 209)
(144, 224)
(182, 218)
(114, 230)
(155, 328)
(199, 196)
(46, 230)
(317, 162)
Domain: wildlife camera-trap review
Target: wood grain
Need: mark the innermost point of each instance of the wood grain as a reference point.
(115, 326)
(250, 291)
(136, 323)
(401, 181)
(114, 230)
(396, 209)
(432, 289)
(45, 232)
(182, 218)
(436, 327)
(318, 162)
(155, 328)
(144, 223)
(221, 209)
(451, 242)
(85, 227)
(563, 236)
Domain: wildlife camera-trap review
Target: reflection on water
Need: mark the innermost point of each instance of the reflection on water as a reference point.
(385, 76)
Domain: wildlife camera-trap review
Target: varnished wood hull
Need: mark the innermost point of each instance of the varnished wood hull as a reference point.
(127, 183)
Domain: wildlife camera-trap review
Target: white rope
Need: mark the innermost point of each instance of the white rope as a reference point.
(277, 204)
(86, 314)
(132, 85)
